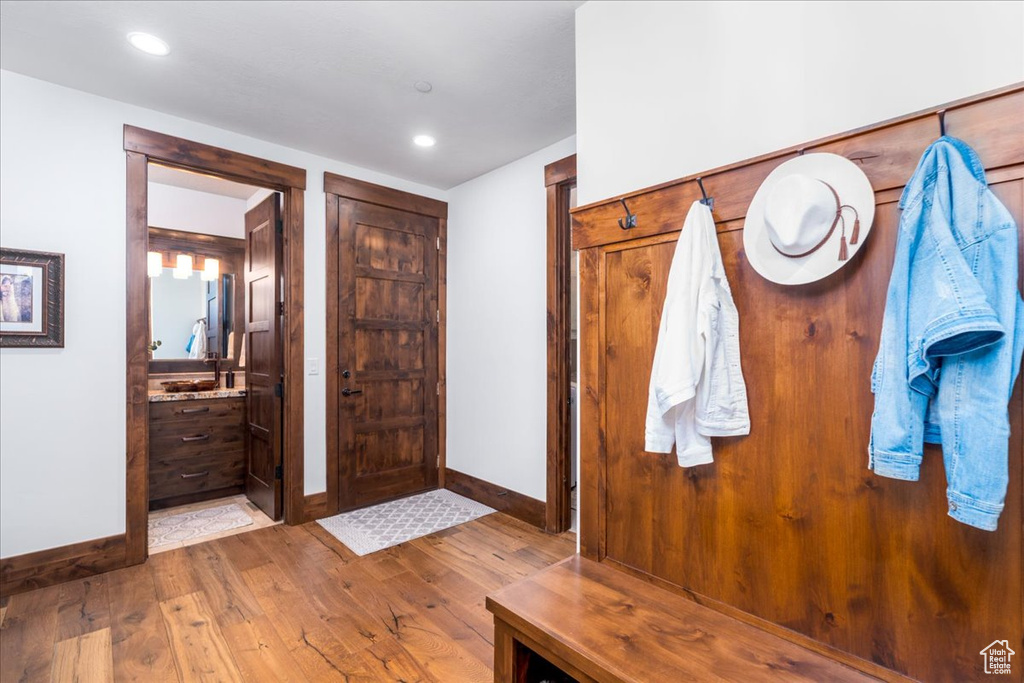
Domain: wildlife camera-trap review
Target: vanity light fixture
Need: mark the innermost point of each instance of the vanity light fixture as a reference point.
(149, 44)
(183, 271)
(424, 141)
(154, 263)
(211, 271)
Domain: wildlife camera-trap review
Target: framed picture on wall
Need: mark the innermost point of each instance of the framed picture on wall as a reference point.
(31, 299)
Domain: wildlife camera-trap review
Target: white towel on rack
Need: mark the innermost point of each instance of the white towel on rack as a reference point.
(199, 340)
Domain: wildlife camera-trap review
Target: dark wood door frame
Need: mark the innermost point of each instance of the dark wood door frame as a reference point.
(335, 187)
(559, 178)
(143, 146)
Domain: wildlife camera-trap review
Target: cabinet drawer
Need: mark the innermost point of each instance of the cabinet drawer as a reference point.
(211, 411)
(204, 472)
(190, 440)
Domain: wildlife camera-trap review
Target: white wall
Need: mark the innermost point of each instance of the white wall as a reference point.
(179, 208)
(666, 89)
(497, 324)
(62, 422)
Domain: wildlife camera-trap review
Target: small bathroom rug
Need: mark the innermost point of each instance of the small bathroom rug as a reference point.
(188, 525)
(382, 526)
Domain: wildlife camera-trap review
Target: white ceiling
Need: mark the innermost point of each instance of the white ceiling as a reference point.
(332, 78)
(162, 175)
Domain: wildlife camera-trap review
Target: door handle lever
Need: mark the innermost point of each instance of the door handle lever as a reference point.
(348, 392)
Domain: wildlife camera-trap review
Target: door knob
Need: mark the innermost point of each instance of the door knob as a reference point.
(346, 374)
(348, 392)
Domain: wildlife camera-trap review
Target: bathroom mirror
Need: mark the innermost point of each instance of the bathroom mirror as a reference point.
(190, 315)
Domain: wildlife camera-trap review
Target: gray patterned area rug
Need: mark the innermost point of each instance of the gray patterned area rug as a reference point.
(188, 525)
(382, 526)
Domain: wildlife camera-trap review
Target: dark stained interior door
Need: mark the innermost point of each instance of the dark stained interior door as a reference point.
(212, 316)
(263, 372)
(387, 353)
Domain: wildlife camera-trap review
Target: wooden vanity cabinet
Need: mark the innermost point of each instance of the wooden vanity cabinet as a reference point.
(197, 450)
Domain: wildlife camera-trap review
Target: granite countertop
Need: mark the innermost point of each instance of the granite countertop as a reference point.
(158, 396)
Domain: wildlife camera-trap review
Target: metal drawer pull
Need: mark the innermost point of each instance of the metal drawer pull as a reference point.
(201, 437)
(193, 476)
(189, 411)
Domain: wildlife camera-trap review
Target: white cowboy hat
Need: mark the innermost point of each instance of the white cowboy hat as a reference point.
(808, 219)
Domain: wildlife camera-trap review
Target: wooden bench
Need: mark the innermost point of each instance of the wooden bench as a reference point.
(580, 620)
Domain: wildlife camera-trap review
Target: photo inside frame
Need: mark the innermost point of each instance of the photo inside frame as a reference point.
(22, 308)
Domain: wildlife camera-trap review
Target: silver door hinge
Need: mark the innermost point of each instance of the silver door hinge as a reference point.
(439, 244)
(439, 315)
(280, 308)
(438, 388)
(438, 459)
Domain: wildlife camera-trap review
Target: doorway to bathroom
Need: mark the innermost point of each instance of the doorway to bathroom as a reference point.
(270, 473)
(562, 451)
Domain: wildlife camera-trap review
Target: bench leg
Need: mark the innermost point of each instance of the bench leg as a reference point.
(504, 653)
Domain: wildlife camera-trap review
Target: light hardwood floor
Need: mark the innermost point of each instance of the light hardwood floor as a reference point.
(280, 604)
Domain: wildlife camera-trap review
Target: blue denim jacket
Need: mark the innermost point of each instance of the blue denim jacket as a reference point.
(952, 335)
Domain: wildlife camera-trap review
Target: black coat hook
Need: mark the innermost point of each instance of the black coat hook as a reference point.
(942, 123)
(630, 218)
(706, 200)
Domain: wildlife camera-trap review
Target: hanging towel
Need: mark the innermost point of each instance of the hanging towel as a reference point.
(198, 345)
(697, 389)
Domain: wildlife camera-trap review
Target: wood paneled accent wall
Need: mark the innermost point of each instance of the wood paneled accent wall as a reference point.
(788, 528)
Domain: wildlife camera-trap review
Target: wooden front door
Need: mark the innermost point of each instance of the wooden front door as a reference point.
(263, 372)
(387, 380)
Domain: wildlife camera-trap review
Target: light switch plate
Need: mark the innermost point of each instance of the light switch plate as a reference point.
(312, 366)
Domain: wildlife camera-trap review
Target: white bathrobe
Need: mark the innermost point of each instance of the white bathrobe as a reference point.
(697, 388)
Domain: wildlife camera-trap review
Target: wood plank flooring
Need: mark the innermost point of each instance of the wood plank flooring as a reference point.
(281, 604)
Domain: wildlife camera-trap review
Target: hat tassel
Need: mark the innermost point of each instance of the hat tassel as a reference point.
(856, 231)
(842, 249)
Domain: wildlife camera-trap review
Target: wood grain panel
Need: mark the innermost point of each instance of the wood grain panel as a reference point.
(388, 400)
(48, 567)
(389, 249)
(199, 647)
(136, 371)
(179, 153)
(264, 333)
(385, 350)
(519, 505)
(87, 658)
(389, 300)
(560, 179)
(293, 457)
(608, 626)
(362, 191)
(788, 525)
(379, 451)
(140, 647)
(384, 364)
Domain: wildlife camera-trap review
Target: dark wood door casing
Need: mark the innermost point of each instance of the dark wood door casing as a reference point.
(559, 179)
(264, 371)
(384, 364)
(142, 147)
(788, 528)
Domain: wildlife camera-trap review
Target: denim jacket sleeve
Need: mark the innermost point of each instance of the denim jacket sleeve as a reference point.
(950, 344)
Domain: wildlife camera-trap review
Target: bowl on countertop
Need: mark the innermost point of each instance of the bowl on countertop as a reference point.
(179, 385)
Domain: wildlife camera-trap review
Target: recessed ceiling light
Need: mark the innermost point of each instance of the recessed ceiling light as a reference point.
(423, 86)
(149, 44)
(424, 141)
